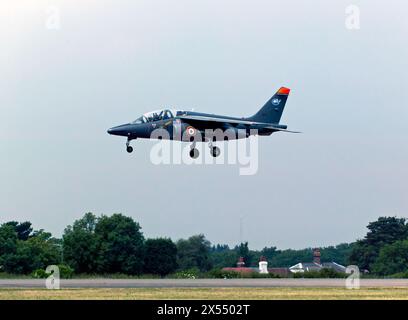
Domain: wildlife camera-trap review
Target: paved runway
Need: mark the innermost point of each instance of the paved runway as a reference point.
(199, 283)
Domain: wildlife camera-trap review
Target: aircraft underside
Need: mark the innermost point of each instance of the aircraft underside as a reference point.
(195, 127)
(187, 133)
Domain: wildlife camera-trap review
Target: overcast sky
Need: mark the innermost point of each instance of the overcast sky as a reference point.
(110, 61)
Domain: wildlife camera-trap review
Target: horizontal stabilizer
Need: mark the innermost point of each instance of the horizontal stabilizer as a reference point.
(283, 130)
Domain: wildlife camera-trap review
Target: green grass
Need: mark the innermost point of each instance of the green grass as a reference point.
(206, 293)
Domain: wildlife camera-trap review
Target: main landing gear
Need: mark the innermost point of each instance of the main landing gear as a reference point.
(214, 150)
(129, 149)
(194, 153)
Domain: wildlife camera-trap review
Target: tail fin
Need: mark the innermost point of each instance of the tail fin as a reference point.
(272, 111)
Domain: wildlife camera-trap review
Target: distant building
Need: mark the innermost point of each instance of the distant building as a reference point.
(262, 268)
(263, 265)
(316, 265)
(241, 267)
(241, 262)
(305, 266)
(333, 265)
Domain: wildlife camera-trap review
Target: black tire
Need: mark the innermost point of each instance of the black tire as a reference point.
(194, 153)
(215, 151)
(129, 149)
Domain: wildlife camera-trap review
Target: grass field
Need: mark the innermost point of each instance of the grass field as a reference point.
(206, 293)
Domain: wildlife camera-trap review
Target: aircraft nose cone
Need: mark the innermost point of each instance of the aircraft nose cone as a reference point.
(122, 130)
(115, 130)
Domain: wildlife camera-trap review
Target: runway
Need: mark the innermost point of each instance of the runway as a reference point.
(200, 283)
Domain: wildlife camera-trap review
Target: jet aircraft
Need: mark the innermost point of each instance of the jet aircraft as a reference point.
(188, 125)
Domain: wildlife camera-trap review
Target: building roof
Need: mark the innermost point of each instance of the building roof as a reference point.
(335, 266)
(306, 266)
(313, 266)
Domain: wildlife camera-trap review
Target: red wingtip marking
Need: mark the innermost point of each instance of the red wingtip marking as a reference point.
(284, 90)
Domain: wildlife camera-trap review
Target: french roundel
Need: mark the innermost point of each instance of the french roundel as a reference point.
(191, 131)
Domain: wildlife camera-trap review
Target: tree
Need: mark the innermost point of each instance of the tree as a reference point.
(8, 239)
(105, 245)
(121, 245)
(160, 256)
(269, 253)
(363, 255)
(45, 248)
(80, 245)
(194, 253)
(8, 245)
(23, 229)
(386, 230)
(223, 256)
(35, 253)
(289, 257)
(220, 248)
(243, 251)
(23, 254)
(339, 253)
(393, 258)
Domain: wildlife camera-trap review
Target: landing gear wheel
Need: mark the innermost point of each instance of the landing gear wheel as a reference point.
(129, 149)
(215, 151)
(194, 153)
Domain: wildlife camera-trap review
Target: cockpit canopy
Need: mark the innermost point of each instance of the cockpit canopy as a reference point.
(156, 116)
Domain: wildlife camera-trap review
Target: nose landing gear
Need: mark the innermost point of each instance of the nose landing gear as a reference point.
(129, 149)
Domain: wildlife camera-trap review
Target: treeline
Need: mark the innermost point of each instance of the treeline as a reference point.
(115, 244)
(100, 245)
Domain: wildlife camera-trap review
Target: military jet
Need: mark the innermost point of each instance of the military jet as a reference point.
(189, 125)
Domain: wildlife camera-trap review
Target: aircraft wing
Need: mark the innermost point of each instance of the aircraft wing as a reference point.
(214, 120)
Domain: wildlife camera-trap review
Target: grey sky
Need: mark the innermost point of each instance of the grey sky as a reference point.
(113, 60)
